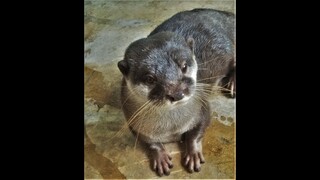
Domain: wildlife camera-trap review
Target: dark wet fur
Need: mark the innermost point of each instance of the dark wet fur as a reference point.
(213, 33)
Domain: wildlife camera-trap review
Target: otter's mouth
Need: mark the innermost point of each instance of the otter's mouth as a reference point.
(182, 101)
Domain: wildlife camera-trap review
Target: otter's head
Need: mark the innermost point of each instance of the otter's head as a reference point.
(160, 68)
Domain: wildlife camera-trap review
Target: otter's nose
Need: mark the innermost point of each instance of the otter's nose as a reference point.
(175, 97)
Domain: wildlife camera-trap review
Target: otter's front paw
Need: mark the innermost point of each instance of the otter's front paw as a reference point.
(192, 161)
(162, 162)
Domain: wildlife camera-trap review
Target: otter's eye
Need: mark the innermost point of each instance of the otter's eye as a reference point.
(150, 79)
(184, 68)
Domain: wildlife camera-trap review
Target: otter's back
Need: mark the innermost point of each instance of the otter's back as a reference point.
(189, 23)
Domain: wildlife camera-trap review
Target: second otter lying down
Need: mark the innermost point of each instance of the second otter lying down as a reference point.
(166, 80)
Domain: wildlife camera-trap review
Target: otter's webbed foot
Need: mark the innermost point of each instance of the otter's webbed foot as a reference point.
(193, 157)
(160, 160)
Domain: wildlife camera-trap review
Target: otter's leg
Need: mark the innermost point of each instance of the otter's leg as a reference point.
(160, 159)
(193, 156)
(229, 82)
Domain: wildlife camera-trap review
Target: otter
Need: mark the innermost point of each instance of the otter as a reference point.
(167, 77)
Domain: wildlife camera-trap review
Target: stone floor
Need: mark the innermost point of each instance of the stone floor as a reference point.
(111, 151)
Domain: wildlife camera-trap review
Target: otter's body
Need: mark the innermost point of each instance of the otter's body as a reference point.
(166, 124)
(166, 79)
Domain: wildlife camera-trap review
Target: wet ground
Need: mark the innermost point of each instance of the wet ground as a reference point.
(110, 148)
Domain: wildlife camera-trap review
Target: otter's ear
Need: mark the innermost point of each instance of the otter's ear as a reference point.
(123, 67)
(190, 42)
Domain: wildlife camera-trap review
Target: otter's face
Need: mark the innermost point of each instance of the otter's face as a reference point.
(160, 68)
